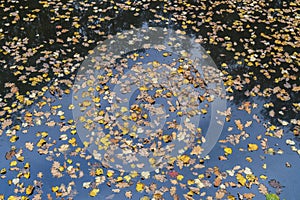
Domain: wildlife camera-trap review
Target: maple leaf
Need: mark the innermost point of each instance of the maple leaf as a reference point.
(128, 194)
(196, 150)
(276, 184)
(173, 174)
(29, 146)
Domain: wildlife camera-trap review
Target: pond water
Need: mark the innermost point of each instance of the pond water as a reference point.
(43, 45)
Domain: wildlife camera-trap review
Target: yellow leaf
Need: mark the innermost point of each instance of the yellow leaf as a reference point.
(13, 138)
(3, 171)
(86, 103)
(105, 141)
(203, 111)
(134, 174)
(72, 141)
(124, 109)
(155, 64)
(264, 177)
(127, 178)
(61, 168)
(139, 187)
(29, 189)
(76, 25)
(71, 107)
(264, 166)
(41, 142)
(165, 54)
(99, 171)
(12, 198)
(250, 177)
(27, 175)
(69, 161)
(230, 197)
(166, 138)
(110, 173)
(180, 177)
(227, 151)
(241, 179)
(94, 192)
(180, 69)
(272, 128)
(73, 132)
(13, 163)
(143, 88)
(190, 182)
(185, 158)
(152, 161)
(252, 147)
(44, 134)
(20, 158)
(249, 159)
(119, 179)
(55, 189)
(96, 99)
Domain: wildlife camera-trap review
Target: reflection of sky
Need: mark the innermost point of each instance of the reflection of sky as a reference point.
(165, 80)
(276, 168)
(275, 164)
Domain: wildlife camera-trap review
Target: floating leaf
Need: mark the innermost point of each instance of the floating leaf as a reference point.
(94, 192)
(139, 187)
(252, 147)
(29, 189)
(272, 197)
(242, 180)
(227, 150)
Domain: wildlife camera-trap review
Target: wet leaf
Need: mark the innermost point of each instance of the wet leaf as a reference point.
(272, 197)
(94, 192)
(139, 187)
(252, 147)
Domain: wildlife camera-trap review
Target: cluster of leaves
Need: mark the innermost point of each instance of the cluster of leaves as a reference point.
(261, 37)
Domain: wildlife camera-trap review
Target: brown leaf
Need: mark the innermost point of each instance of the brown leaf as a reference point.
(29, 146)
(217, 181)
(248, 195)
(10, 154)
(128, 194)
(239, 124)
(196, 150)
(220, 194)
(262, 189)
